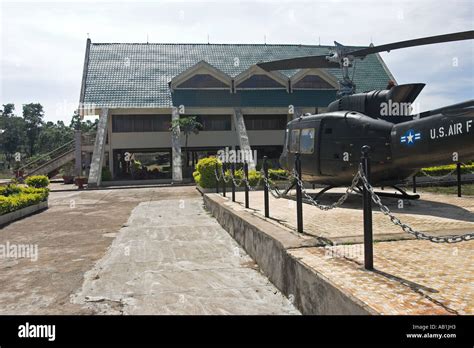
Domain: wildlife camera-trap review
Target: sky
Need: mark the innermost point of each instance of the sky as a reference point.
(43, 43)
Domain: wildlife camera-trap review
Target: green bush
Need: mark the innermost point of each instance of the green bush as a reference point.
(106, 174)
(446, 169)
(204, 175)
(14, 197)
(9, 190)
(18, 201)
(277, 174)
(37, 181)
(254, 177)
(43, 192)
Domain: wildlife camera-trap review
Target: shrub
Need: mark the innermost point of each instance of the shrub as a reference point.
(254, 177)
(9, 190)
(37, 181)
(204, 174)
(43, 192)
(106, 174)
(18, 201)
(446, 169)
(14, 197)
(278, 174)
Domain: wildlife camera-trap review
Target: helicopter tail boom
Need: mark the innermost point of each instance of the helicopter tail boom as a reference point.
(443, 138)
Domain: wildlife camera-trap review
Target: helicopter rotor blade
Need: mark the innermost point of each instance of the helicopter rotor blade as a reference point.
(298, 63)
(465, 35)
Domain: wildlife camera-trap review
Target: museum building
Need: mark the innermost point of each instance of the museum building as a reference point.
(139, 88)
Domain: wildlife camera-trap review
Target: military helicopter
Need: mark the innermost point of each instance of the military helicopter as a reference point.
(330, 144)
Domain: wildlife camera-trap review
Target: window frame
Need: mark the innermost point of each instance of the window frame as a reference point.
(294, 146)
(311, 131)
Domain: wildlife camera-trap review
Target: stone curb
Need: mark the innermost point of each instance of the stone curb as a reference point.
(21, 213)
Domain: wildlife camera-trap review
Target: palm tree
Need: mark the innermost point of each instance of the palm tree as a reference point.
(187, 126)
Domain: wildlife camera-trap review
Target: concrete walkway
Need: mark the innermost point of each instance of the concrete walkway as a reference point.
(173, 258)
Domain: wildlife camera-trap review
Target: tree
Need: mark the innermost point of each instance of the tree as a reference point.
(187, 126)
(8, 110)
(33, 115)
(52, 136)
(13, 134)
(84, 126)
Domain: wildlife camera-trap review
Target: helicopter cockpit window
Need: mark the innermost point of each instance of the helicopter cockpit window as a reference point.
(294, 140)
(307, 140)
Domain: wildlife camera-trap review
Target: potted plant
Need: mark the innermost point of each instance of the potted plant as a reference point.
(67, 172)
(80, 181)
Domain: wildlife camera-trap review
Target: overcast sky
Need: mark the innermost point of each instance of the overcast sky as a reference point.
(43, 43)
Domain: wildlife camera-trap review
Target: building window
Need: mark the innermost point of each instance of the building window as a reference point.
(260, 81)
(265, 122)
(215, 122)
(140, 123)
(294, 140)
(203, 81)
(307, 140)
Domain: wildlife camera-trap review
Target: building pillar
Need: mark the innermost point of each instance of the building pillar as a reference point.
(95, 172)
(242, 135)
(176, 149)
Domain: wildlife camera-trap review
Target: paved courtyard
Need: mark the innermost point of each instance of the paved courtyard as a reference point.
(131, 251)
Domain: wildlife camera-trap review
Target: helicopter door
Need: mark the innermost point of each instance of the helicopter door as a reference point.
(334, 143)
(307, 149)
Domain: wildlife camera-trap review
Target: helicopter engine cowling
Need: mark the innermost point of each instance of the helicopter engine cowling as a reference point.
(393, 104)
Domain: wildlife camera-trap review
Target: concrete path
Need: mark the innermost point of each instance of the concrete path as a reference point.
(173, 258)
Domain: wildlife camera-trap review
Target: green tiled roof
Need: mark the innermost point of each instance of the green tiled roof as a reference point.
(137, 75)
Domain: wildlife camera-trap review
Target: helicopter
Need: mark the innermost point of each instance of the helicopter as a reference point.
(329, 144)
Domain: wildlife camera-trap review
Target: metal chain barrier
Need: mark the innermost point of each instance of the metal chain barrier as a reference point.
(396, 221)
(465, 165)
(440, 177)
(216, 175)
(274, 190)
(223, 176)
(336, 204)
(247, 183)
(234, 180)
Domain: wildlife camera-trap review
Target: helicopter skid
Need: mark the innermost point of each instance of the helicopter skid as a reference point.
(402, 195)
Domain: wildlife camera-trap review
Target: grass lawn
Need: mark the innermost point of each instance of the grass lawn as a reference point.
(467, 189)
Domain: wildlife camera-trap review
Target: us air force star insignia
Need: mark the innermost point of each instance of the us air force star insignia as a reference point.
(410, 137)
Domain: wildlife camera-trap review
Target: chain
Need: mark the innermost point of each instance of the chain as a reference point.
(437, 177)
(336, 204)
(360, 175)
(247, 183)
(216, 175)
(234, 180)
(223, 176)
(465, 165)
(274, 190)
(396, 221)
